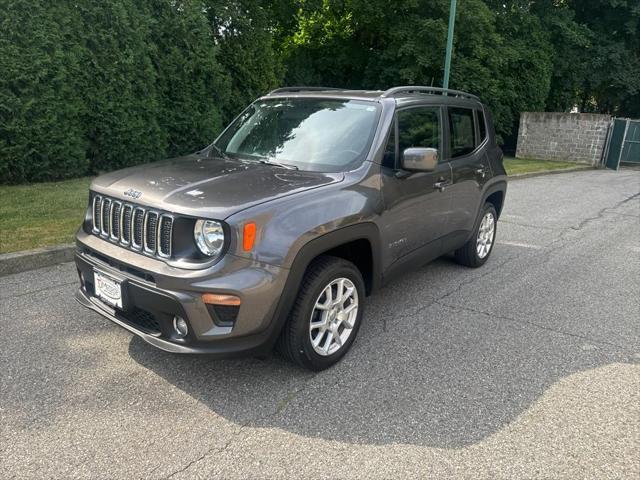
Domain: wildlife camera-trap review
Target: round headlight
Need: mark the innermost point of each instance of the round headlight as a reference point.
(209, 237)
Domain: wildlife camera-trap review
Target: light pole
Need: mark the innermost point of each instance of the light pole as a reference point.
(447, 60)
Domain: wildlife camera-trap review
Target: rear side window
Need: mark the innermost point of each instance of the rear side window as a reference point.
(419, 127)
(482, 127)
(462, 131)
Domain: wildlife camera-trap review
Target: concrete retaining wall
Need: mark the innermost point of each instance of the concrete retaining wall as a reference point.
(573, 137)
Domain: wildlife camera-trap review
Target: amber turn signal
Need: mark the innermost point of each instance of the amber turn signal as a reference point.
(220, 299)
(248, 236)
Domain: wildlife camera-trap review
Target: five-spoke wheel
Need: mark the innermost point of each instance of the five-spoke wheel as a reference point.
(326, 315)
(333, 316)
(486, 233)
(476, 251)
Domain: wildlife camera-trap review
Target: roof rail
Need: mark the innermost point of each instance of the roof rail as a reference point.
(428, 90)
(301, 89)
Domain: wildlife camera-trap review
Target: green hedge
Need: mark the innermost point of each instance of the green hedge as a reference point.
(93, 85)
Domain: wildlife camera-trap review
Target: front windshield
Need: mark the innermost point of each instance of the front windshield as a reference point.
(308, 133)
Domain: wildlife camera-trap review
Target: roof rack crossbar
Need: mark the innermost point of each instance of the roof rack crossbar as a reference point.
(301, 89)
(432, 90)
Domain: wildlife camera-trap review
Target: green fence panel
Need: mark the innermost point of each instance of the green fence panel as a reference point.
(616, 137)
(631, 143)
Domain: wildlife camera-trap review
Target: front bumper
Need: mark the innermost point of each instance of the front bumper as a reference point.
(152, 298)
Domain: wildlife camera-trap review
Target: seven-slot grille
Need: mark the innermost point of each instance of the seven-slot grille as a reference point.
(133, 226)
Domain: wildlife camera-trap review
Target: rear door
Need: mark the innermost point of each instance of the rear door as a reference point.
(466, 142)
(416, 203)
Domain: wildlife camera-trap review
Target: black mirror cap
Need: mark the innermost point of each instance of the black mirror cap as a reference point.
(418, 159)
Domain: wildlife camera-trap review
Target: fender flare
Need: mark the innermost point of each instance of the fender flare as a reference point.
(312, 249)
(498, 186)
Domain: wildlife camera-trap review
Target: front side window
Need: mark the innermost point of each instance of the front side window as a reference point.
(310, 133)
(462, 133)
(419, 127)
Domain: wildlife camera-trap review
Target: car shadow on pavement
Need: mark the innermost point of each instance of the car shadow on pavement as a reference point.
(422, 372)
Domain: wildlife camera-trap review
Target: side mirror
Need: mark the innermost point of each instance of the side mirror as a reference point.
(419, 159)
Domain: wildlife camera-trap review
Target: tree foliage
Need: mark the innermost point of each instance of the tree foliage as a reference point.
(89, 85)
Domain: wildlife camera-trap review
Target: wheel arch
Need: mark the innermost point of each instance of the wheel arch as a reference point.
(495, 194)
(329, 243)
(360, 244)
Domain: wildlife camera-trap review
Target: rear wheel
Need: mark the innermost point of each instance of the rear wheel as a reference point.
(476, 251)
(326, 315)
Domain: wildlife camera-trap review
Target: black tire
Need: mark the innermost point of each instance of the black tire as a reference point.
(467, 255)
(295, 342)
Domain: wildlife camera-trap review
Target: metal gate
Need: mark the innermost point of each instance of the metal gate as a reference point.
(623, 143)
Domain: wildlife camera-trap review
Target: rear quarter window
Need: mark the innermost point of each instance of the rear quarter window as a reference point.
(462, 130)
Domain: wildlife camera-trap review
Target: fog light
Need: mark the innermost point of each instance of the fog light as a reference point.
(180, 326)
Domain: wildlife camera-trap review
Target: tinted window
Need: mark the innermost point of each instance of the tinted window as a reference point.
(312, 134)
(462, 132)
(482, 126)
(419, 127)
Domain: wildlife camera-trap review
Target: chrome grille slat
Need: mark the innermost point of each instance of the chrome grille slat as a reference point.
(165, 235)
(150, 232)
(105, 216)
(136, 228)
(125, 225)
(144, 230)
(97, 213)
(114, 220)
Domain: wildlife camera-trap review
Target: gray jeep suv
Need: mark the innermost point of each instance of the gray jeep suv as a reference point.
(274, 235)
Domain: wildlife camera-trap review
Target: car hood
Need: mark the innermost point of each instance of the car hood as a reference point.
(207, 187)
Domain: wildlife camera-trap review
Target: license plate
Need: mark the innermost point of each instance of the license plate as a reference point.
(108, 289)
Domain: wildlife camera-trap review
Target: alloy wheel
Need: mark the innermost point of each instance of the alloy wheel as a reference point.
(485, 235)
(333, 317)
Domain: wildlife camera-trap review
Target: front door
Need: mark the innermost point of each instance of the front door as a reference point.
(416, 203)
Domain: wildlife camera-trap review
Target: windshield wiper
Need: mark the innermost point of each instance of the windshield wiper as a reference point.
(278, 164)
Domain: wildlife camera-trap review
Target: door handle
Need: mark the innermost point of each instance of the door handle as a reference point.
(440, 184)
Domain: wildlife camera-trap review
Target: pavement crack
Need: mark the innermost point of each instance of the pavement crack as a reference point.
(533, 324)
(203, 456)
(601, 213)
(473, 279)
(279, 408)
(420, 308)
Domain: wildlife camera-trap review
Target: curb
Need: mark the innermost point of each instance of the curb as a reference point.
(37, 258)
(520, 176)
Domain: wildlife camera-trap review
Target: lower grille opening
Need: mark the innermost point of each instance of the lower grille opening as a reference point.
(143, 319)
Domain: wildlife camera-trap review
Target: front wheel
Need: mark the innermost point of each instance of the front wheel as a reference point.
(326, 315)
(476, 251)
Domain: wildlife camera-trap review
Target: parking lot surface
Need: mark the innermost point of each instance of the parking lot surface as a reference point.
(525, 368)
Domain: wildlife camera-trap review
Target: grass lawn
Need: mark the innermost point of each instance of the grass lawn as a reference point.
(515, 166)
(41, 214)
(45, 214)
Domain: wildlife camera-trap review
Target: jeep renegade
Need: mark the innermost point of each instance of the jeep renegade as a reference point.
(305, 204)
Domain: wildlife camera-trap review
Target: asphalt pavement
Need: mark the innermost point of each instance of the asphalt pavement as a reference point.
(525, 368)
